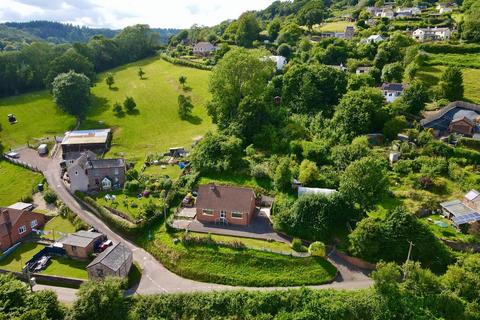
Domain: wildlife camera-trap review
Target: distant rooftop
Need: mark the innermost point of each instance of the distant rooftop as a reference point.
(86, 136)
(392, 86)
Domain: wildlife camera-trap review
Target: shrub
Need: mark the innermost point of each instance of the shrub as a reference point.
(49, 196)
(296, 244)
(27, 199)
(317, 249)
(132, 186)
(185, 63)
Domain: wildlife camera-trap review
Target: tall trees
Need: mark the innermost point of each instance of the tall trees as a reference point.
(471, 24)
(70, 60)
(414, 97)
(237, 84)
(248, 30)
(136, 42)
(359, 112)
(364, 181)
(185, 106)
(71, 92)
(273, 28)
(312, 13)
(217, 152)
(310, 88)
(451, 84)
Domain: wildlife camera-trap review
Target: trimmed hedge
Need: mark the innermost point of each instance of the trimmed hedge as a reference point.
(469, 143)
(185, 63)
(450, 48)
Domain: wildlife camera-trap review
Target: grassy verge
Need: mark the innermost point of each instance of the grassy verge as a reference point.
(16, 182)
(56, 226)
(337, 26)
(237, 267)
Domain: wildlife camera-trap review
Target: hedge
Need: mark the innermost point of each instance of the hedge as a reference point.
(469, 143)
(450, 48)
(185, 63)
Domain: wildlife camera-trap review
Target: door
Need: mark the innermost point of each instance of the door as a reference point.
(223, 214)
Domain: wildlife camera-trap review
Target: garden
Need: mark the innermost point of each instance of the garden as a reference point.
(16, 183)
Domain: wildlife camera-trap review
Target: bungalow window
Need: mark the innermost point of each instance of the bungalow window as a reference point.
(34, 223)
(117, 172)
(237, 215)
(207, 212)
(22, 229)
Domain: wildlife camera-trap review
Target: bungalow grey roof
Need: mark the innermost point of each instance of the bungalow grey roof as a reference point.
(456, 208)
(81, 238)
(392, 86)
(113, 257)
(441, 119)
(466, 218)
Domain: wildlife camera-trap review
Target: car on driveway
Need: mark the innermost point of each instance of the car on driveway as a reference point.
(13, 154)
(105, 245)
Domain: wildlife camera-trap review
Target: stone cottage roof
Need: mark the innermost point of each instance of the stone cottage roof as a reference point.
(113, 257)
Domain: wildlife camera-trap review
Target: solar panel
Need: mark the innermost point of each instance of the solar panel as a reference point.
(466, 218)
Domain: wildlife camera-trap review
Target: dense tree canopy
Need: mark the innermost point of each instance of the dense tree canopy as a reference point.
(247, 30)
(71, 92)
(310, 88)
(451, 84)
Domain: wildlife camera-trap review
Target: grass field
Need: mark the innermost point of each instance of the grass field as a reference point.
(57, 267)
(56, 225)
(16, 182)
(337, 26)
(455, 59)
(37, 117)
(431, 75)
(237, 267)
(156, 126)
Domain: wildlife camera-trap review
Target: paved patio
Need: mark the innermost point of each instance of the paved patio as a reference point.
(259, 228)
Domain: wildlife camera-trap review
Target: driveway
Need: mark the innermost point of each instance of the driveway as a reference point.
(155, 277)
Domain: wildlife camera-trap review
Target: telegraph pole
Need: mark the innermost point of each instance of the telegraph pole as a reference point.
(408, 257)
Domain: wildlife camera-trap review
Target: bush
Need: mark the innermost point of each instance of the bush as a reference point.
(317, 249)
(296, 244)
(27, 199)
(49, 196)
(450, 48)
(132, 186)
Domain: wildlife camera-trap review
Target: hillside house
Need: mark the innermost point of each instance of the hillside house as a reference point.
(97, 141)
(391, 91)
(407, 12)
(115, 261)
(465, 211)
(431, 34)
(225, 204)
(279, 61)
(375, 38)
(362, 70)
(92, 175)
(17, 224)
(81, 244)
(203, 48)
(458, 117)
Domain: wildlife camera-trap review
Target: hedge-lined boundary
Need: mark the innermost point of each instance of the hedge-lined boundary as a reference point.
(185, 63)
(450, 48)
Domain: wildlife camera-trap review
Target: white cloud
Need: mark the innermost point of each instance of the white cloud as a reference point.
(120, 13)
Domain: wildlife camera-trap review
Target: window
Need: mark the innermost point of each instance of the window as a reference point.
(22, 229)
(207, 212)
(237, 215)
(34, 223)
(117, 172)
(99, 273)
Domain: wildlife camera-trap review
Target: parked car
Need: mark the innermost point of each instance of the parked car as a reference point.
(13, 154)
(105, 245)
(42, 263)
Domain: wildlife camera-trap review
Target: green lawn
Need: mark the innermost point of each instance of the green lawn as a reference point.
(123, 202)
(337, 26)
(450, 232)
(56, 225)
(431, 75)
(156, 127)
(58, 266)
(250, 243)
(37, 117)
(16, 182)
(455, 59)
(237, 267)
(173, 171)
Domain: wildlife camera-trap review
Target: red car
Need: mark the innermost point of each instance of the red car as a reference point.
(105, 245)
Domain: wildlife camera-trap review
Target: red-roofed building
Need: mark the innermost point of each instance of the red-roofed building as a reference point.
(16, 225)
(225, 204)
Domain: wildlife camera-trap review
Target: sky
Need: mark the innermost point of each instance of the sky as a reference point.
(117, 14)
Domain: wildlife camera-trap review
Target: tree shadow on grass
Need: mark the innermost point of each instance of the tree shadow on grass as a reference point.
(119, 114)
(98, 106)
(144, 78)
(195, 120)
(113, 89)
(134, 112)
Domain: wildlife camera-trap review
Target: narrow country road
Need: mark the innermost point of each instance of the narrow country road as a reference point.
(157, 279)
